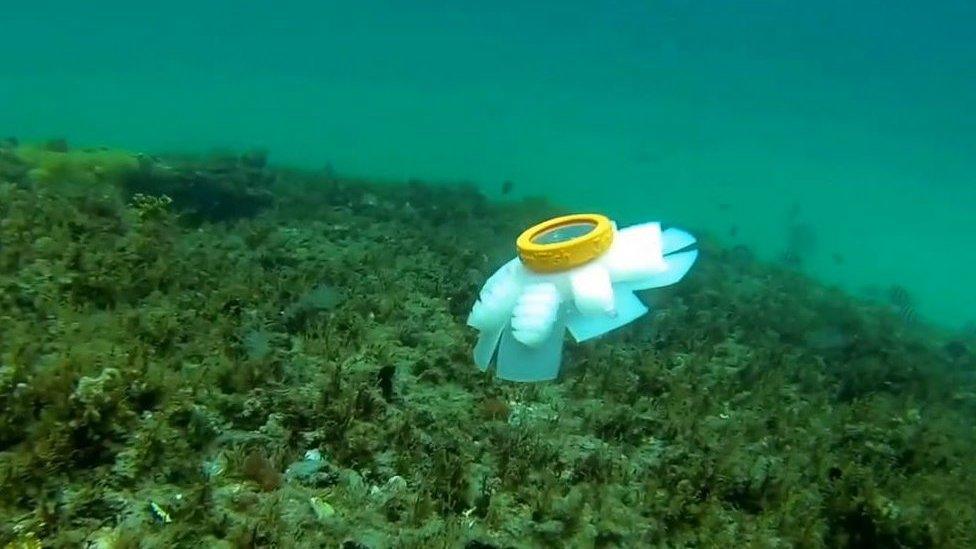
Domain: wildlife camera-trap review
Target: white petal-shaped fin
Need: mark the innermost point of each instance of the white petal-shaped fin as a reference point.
(519, 362)
(535, 313)
(592, 290)
(497, 298)
(636, 253)
(677, 267)
(676, 239)
(584, 327)
(484, 350)
(653, 226)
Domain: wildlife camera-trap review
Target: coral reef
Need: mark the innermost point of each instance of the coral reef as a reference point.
(291, 368)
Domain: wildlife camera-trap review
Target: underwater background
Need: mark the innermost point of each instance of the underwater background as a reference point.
(853, 120)
(239, 242)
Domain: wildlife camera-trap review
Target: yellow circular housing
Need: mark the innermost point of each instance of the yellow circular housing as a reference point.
(564, 242)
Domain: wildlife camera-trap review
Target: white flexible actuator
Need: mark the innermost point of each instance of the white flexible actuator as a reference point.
(522, 315)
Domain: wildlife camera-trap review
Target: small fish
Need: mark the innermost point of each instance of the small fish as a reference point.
(899, 296)
(838, 258)
(159, 513)
(733, 231)
(902, 302)
(908, 315)
(507, 186)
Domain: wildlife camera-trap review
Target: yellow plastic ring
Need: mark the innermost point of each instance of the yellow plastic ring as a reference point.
(546, 257)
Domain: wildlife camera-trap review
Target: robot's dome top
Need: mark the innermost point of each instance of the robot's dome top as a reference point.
(565, 242)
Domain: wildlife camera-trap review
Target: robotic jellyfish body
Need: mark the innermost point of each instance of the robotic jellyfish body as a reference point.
(576, 273)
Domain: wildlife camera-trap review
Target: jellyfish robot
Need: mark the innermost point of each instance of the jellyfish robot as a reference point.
(577, 273)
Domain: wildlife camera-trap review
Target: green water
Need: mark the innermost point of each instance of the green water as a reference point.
(720, 116)
(207, 350)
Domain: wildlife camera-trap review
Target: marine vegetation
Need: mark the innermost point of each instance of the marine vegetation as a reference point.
(214, 352)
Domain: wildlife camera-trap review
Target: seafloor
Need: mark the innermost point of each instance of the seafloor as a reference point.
(212, 352)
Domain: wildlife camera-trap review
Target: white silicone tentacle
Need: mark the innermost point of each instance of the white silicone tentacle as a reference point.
(535, 313)
(678, 266)
(496, 300)
(520, 362)
(585, 327)
(592, 290)
(484, 350)
(636, 253)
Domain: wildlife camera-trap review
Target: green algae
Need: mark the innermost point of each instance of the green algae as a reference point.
(157, 353)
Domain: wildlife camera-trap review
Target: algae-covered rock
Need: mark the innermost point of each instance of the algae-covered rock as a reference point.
(208, 189)
(89, 166)
(202, 189)
(212, 369)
